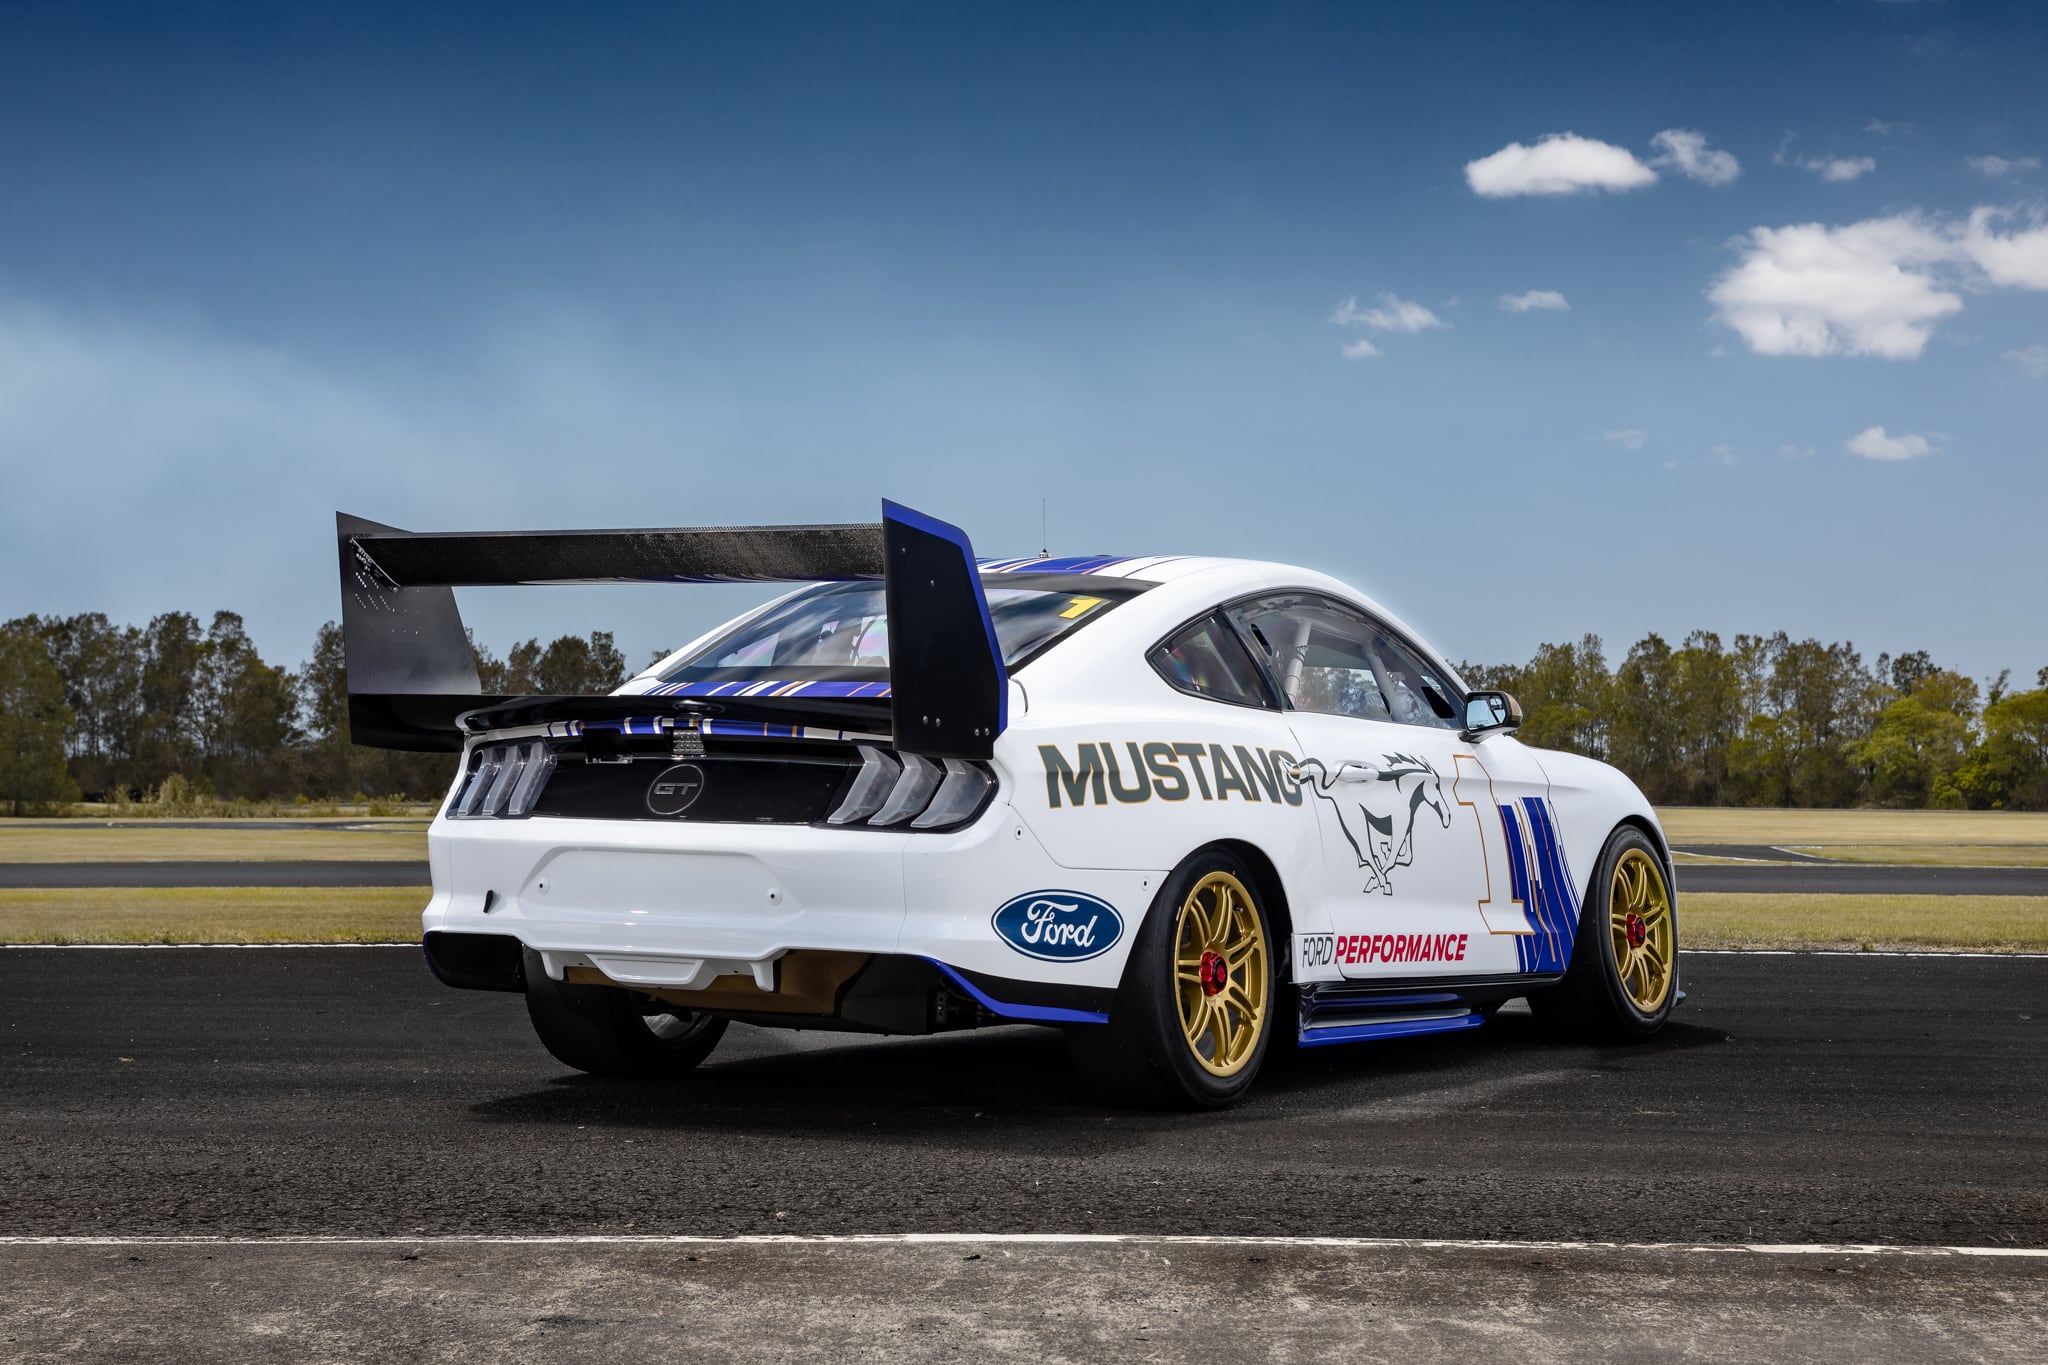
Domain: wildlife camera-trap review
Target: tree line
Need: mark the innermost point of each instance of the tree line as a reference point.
(1771, 721)
(97, 711)
(103, 712)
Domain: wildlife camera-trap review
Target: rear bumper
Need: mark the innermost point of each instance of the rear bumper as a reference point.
(677, 907)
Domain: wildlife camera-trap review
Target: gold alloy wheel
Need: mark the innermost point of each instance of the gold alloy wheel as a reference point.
(1221, 975)
(1639, 922)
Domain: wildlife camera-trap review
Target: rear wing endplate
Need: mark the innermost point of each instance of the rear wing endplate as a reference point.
(412, 676)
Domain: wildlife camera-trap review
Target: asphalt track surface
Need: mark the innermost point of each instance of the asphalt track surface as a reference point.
(150, 875)
(1863, 879)
(339, 1092)
(342, 1091)
(1856, 878)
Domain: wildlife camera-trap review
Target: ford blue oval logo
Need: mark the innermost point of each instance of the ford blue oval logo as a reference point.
(1059, 926)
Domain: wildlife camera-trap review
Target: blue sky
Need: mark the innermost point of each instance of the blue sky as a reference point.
(515, 266)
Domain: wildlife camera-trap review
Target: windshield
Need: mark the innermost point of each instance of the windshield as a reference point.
(841, 630)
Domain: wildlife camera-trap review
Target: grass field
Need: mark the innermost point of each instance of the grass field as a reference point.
(255, 914)
(1987, 924)
(75, 841)
(392, 915)
(1866, 828)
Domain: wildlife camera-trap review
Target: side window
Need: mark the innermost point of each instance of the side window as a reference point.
(1332, 659)
(1422, 695)
(1204, 658)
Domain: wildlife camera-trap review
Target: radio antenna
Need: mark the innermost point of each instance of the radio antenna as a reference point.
(1044, 540)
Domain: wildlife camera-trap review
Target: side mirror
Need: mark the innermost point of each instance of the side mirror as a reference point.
(1490, 713)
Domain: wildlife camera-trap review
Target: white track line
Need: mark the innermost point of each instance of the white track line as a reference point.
(1687, 952)
(1849, 952)
(1063, 1239)
(129, 947)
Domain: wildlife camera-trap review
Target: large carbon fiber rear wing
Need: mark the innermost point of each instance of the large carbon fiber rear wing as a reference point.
(412, 676)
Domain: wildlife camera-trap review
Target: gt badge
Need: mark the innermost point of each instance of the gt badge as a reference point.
(676, 790)
(1059, 926)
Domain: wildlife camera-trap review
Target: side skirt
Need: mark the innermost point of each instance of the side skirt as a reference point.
(1351, 1011)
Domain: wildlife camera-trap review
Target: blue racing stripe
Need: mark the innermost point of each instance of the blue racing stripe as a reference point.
(1557, 896)
(1518, 886)
(771, 688)
(1065, 564)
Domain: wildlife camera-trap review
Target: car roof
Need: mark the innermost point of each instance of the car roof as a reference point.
(1183, 587)
(1152, 568)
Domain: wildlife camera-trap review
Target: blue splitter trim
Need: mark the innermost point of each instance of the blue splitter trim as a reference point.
(1405, 1028)
(1050, 1014)
(1377, 1002)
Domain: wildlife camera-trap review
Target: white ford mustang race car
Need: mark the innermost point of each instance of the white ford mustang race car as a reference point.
(1187, 809)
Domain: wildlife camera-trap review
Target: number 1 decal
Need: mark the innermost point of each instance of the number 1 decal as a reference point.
(1474, 788)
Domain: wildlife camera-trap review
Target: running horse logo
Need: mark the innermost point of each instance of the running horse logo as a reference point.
(1374, 801)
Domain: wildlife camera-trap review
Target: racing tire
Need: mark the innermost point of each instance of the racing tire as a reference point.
(610, 1031)
(1197, 1007)
(1623, 977)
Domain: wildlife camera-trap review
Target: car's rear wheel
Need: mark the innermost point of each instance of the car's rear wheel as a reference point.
(1623, 977)
(1193, 1018)
(610, 1031)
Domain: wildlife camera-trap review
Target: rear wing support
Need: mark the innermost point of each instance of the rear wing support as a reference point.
(412, 676)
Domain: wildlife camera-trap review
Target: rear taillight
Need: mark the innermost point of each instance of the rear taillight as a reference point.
(960, 795)
(504, 781)
(891, 789)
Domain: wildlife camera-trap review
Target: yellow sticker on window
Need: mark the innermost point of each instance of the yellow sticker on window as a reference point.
(1080, 606)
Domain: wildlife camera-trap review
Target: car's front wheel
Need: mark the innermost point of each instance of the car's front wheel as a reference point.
(609, 1031)
(1193, 1017)
(1623, 977)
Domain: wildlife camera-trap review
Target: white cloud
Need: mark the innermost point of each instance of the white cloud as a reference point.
(1548, 299)
(1560, 163)
(1838, 169)
(2031, 361)
(1793, 452)
(1722, 455)
(1879, 126)
(1992, 167)
(1629, 438)
(1815, 290)
(1395, 314)
(2016, 260)
(1872, 444)
(1687, 152)
(1877, 287)
(1360, 349)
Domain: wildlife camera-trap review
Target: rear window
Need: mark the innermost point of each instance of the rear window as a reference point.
(841, 630)
(1205, 659)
